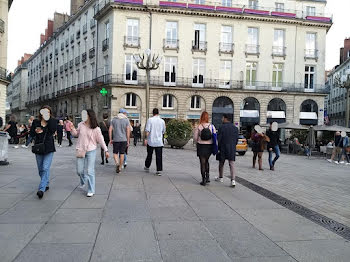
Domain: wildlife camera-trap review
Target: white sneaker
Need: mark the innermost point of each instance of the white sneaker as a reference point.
(341, 162)
(219, 179)
(146, 169)
(329, 160)
(158, 173)
(89, 194)
(233, 183)
(24, 146)
(15, 147)
(347, 164)
(336, 162)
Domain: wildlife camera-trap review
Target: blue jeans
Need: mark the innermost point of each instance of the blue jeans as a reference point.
(44, 163)
(277, 151)
(29, 140)
(86, 170)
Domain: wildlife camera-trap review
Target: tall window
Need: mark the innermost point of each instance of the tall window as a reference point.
(168, 101)
(195, 102)
(226, 38)
(225, 73)
(132, 32)
(130, 100)
(279, 7)
(277, 75)
(278, 42)
(200, 2)
(251, 74)
(199, 36)
(170, 68)
(227, 3)
(310, 45)
(253, 4)
(130, 70)
(309, 78)
(252, 45)
(171, 34)
(310, 11)
(107, 25)
(198, 72)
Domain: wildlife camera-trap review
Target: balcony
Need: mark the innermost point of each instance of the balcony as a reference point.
(4, 75)
(131, 42)
(92, 23)
(252, 50)
(55, 73)
(72, 39)
(71, 63)
(62, 46)
(83, 57)
(77, 60)
(105, 44)
(311, 54)
(2, 26)
(67, 42)
(92, 52)
(226, 48)
(61, 69)
(199, 46)
(171, 44)
(279, 51)
(78, 34)
(84, 29)
(65, 66)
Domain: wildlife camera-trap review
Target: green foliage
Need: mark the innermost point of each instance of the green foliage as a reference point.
(300, 134)
(179, 129)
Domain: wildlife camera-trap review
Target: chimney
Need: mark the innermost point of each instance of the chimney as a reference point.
(59, 20)
(49, 28)
(74, 6)
(341, 55)
(346, 53)
(42, 39)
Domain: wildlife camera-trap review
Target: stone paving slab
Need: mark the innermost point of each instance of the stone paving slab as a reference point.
(84, 215)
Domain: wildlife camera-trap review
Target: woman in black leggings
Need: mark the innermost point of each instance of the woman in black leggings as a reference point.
(104, 125)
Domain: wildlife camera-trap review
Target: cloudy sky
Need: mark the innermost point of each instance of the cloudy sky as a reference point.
(24, 34)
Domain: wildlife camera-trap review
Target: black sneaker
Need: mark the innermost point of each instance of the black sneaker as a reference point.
(106, 161)
(47, 188)
(117, 170)
(40, 194)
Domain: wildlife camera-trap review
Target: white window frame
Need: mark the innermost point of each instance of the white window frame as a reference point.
(227, 3)
(130, 59)
(169, 98)
(276, 85)
(309, 73)
(253, 4)
(171, 34)
(310, 11)
(133, 37)
(279, 38)
(107, 30)
(202, 28)
(253, 40)
(310, 44)
(279, 7)
(129, 100)
(196, 99)
(226, 38)
(253, 66)
(169, 63)
(224, 76)
(198, 65)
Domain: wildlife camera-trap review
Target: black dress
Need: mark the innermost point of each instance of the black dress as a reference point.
(227, 139)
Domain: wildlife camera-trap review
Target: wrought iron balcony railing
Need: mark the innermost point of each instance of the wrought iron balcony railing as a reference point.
(311, 54)
(199, 46)
(226, 48)
(92, 23)
(280, 51)
(105, 44)
(252, 50)
(132, 42)
(92, 52)
(2, 26)
(85, 29)
(83, 57)
(171, 44)
(77, 60)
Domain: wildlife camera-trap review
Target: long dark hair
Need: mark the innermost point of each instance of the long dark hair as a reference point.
(92, 118)
(43, 107)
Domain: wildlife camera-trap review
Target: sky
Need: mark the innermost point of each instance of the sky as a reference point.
(24, 33)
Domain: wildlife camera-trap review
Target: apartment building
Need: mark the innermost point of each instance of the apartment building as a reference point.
(4, 78)
(259, 61)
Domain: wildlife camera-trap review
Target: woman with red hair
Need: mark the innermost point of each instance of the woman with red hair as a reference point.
(203, 137)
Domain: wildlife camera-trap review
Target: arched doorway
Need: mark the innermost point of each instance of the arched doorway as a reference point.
(249, 115)
(222, 105)
(309, 113)
(276, 111)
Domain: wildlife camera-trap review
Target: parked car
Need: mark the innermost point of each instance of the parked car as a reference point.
(242, 145)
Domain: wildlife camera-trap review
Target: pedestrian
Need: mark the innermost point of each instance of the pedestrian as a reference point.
(227, 140)
(259, 140)
(203, 136)
(42, 131)
(29, 139)
(273, 145)
(60, 133)
(336, 149)
(104, 125)
(120, 128)
(155, 129)
(344, 143)
(136, 133)
(68, 127)
(89, 135)
(1, 123)
(11, 128)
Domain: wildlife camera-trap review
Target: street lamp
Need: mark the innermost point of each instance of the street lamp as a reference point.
(344, 82)
(147, 62)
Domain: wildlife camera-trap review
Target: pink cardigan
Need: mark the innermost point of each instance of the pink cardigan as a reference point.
(88, 138)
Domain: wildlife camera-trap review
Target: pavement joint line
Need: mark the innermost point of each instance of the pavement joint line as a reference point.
(327, 223)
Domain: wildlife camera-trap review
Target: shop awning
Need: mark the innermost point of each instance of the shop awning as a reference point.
(167, 116)
(193, 116)
(308, 118)
(276, 114)
(249, 113)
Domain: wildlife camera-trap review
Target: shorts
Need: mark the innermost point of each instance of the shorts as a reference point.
(119, 147)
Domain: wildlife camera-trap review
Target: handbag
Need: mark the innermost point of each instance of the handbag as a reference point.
(39, 148)
(215, 141)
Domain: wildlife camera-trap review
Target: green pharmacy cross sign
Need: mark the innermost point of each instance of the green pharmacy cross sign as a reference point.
(103, 92)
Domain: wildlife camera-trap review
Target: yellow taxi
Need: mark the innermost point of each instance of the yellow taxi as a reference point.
(242, 145)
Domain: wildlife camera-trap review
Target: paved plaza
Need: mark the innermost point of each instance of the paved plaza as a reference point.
(136, 216)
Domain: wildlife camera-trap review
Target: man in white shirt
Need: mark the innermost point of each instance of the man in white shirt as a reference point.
(155, 129)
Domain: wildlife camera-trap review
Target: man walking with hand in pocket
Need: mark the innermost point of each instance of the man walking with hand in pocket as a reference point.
(155, 129)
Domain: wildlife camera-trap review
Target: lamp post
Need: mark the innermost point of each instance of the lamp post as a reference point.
(147, 62)
(344, 82)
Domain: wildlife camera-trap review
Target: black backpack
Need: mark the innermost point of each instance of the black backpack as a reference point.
(206, 134)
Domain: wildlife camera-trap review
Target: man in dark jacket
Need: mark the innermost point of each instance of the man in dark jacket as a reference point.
(273, 145)
(227, 140)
